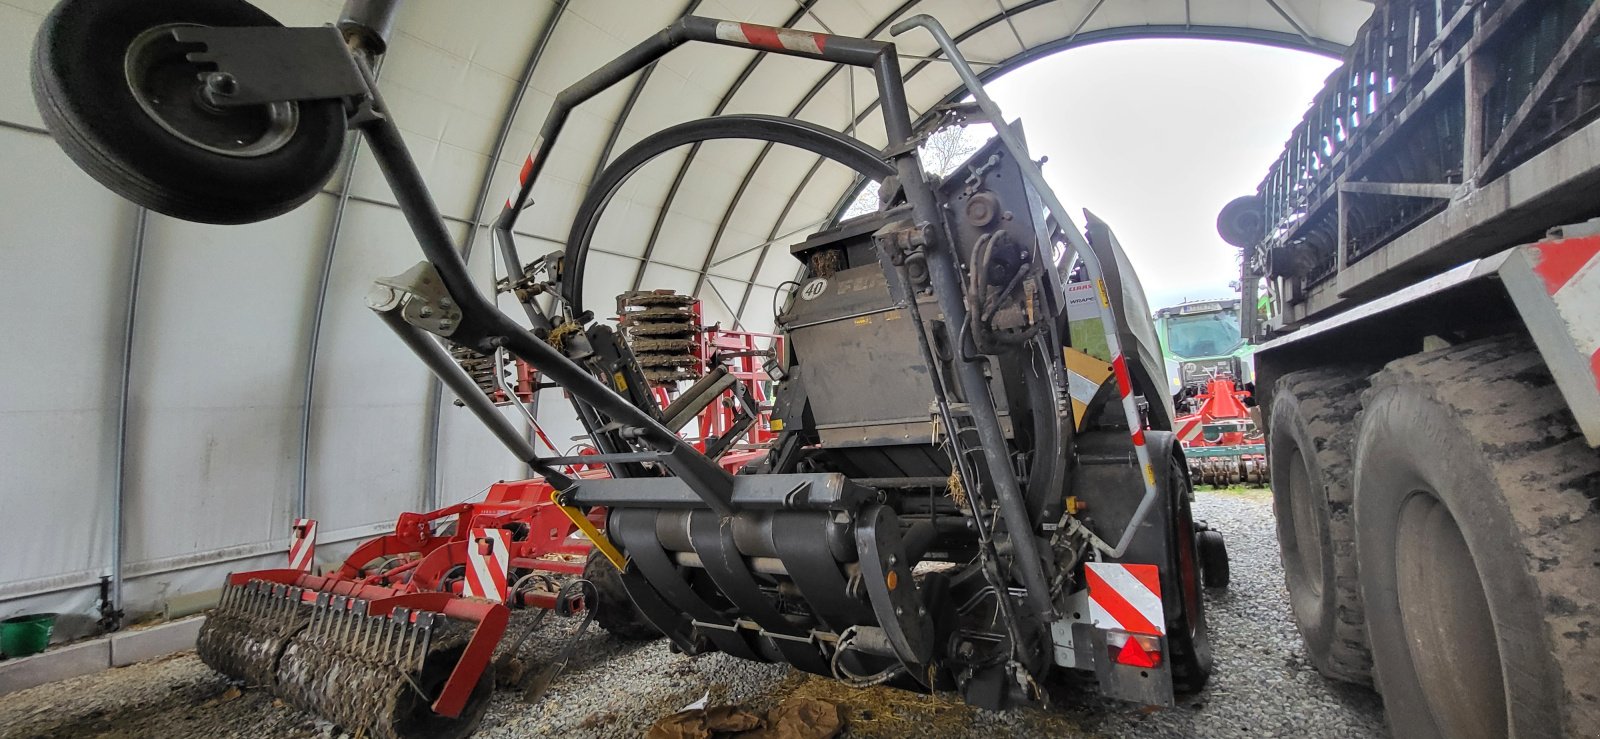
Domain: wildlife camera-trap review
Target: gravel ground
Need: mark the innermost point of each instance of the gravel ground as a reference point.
(1262, 685)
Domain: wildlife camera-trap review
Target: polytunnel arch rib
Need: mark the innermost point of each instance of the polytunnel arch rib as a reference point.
(738, 194)
(1323, 47)
(804, 7)
(824, 142)
(749, 287)
(627, 106)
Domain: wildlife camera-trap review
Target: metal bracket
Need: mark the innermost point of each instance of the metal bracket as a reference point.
(421, 298)
(269, 64)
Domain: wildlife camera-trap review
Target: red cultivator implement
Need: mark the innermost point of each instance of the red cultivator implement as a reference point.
(398, 639)
(402, 639)
(1221, 441)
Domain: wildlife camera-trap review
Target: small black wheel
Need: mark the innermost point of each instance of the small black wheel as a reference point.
(1213, 558)
(615, 612)
(120, 97)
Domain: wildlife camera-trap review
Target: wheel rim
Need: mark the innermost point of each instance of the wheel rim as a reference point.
(1308, 539)
(1448, 628)
(171, 91)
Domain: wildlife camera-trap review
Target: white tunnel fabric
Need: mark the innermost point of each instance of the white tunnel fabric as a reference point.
(204, 450)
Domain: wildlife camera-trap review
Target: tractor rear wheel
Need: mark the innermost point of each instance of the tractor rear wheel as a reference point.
(1188, 636)
(615, 612)
(1309, 444)
(1475, 497)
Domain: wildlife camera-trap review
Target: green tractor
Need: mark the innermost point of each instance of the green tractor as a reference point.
(1213, 383)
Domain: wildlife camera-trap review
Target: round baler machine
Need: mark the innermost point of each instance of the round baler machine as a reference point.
(965, 488)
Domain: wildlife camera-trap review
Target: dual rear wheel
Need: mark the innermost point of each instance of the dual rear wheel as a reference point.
(1449, 511)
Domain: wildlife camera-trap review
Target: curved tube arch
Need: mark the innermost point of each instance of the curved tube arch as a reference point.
(824, 142)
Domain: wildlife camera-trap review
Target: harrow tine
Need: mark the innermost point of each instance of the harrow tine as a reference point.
(369, 636)
(418, 628)
(401, 631)
(433, 621)
(358, 637)
(386, 638)
(319, 619)
(341, 626)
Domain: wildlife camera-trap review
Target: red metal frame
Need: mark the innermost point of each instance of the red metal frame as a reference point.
(738, 351)
(421, 560)
(1221, 400)
(420, 582)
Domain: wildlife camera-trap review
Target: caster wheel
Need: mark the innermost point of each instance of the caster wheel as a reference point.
(120, 96)
(1213, 559)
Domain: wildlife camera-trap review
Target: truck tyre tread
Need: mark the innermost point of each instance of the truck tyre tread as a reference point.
(1314, 414)
(1481, 429)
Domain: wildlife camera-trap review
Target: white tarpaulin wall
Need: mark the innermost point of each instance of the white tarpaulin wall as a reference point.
(154, 375)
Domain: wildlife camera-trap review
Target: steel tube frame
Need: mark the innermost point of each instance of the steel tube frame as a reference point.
(880, 58)
(1265, 38)
(750, 172)
(486, 328)
(683, 168)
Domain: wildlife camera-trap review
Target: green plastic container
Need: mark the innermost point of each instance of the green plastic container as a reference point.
(21, 636)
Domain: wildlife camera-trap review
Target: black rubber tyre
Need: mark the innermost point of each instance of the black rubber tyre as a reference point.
(172, 161)
(414, 717)
(1309, 447)
(1188, 636)
(1479, 546)
(616, 612)
(1213, 558)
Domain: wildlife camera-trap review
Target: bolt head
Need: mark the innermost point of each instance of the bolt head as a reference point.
(221, 84)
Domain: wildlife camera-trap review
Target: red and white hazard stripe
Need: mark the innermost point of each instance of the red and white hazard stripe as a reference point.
(1189, 427)
(303, 544)
(488, 562)
(1126, 597)
(1119, 366)
(515, 201)
(767, 37)
(1570, 271)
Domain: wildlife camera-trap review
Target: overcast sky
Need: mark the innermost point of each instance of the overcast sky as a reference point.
(1156, 136)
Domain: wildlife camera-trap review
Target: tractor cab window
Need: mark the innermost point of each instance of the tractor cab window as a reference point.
(1204, 334)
